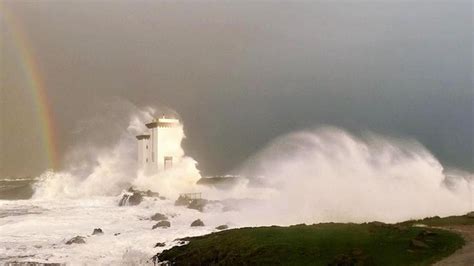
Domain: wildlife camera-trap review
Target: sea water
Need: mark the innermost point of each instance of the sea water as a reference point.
(37, 230)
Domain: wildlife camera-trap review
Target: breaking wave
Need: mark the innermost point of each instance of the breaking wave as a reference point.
(325, 174)
(328, 174)
(107, 171)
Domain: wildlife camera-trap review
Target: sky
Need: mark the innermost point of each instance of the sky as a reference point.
(240, 73)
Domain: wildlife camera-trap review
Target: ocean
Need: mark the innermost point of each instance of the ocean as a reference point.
(36, 230)
(16, 188)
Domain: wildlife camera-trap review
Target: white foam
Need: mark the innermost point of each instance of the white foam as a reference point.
(43, 235)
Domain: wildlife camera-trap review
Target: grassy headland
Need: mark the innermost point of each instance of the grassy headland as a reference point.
(467, 219)
(319, 244)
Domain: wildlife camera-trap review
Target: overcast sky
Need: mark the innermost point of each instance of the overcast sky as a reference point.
(242, 73)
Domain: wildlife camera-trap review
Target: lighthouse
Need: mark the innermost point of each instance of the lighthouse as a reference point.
(160, 148)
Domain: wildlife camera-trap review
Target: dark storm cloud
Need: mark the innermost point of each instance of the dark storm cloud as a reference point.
(242, 73)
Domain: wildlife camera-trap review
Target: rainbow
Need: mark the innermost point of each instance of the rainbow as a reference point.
(31, 70)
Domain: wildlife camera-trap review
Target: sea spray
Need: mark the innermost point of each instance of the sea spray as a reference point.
(106, 171)
(327, 174)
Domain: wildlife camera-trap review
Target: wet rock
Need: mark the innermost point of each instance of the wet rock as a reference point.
(97, 231)
(123, 201)
(160, 245)
(134, 196)
(150, 193)
(76, 240)
(222, 227)
(131, 199)
(162, 224)
(197, 204)
(135, 199)
(197, 222)
(158, 217)
(182, 201)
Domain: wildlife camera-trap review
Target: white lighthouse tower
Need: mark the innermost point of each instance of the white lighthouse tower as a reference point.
(160, 149)
(143, 146)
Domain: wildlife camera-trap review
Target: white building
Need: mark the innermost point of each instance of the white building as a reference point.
(158, 150)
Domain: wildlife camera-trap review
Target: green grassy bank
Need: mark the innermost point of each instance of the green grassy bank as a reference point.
(320, 244)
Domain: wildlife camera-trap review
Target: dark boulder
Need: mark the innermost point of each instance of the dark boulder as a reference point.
(97, 231)
(158, 217)
(162, 224)
(123, 201)
(197, 222)
(131, 199)
(76, 240)
(135, 199)
(222, 227)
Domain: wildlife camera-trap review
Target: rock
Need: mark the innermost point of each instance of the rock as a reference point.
(131, 199)
(197, 222)
(418, 244)
(159, 245)
(97, 231)
(150, 193)
(222, 227)
(76, 240)
(116, 234)
(182, 201)
(162, 224)
(197, 204)
(135, 199)
(123, 201)
(158, 217)
(470, 214)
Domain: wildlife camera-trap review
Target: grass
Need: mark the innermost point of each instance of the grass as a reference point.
(320, 244)
(445, 221)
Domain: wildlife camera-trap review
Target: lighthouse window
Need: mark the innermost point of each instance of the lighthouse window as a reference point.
(146, 159)
(147, 147)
